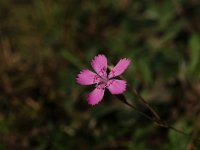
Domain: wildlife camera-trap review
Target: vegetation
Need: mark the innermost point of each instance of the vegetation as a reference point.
(45, 43)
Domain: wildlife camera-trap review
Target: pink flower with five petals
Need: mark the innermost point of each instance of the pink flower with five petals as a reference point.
(102, 80)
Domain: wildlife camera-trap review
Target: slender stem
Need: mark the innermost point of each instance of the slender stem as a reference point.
(157, 121)
(143, 101)
(146, 104)
(123, 99)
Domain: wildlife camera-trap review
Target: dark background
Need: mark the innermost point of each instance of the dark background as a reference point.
(45, 43)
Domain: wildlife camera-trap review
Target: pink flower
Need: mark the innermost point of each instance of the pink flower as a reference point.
(102, 80)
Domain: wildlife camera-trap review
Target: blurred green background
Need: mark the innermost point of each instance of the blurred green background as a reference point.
(45, 43)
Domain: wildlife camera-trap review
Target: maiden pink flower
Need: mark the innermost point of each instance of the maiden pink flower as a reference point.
(102, 80)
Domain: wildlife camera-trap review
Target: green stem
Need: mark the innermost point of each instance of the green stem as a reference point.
(156, 120)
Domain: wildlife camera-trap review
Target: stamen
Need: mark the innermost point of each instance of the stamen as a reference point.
(96, 84)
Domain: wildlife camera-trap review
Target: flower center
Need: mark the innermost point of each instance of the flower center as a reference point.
(104, 80)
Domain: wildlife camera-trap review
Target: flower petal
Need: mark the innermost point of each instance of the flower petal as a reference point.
(116, 86)
(119, 68)
(96, 95)
(87, 77)
(99, 64)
